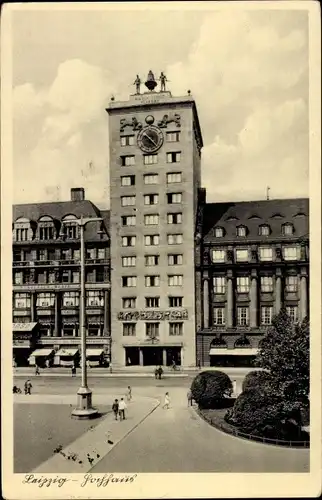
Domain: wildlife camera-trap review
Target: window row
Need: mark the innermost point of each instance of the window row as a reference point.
(264, 253)
(152, 281)
(151, 219)
(172, 178)
(150, 159)
(152, 240)
(47, 299)
(152, 329)
(130, 302)
(65, 276)
(129, 140)
(153, 260)
(243, 284)
(51, 254)
(266, 315)
(151, 199)
(287, 229)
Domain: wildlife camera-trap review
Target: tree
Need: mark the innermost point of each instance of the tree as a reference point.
(209, 388)
(257, 380)
(284, 352)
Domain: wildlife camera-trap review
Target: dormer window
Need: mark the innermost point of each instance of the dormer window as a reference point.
(264, 230)
(219, 232)
(231, 218)
(277, 216)
(22, 230)
(70, 227)
(253, 217)
(241, 231)
(300, 214)
(46, 229)
(287, 229)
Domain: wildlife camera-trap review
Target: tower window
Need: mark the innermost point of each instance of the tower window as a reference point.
(152, 302)
(151, 240)
(150, 159)
(173, 157)
(128, 220)
(287, 229)
(174, 177)
(128, 241)
(173, 136)
(242, 284)
(128, 180)
(264, 230)
(151, 179)
(151, 199)
(175, 301)
(174, 198)
(175, 280)
(267, 284)
(175, 218)
(242, 316)
(127, 201)
(151, 260)
(128, 160)
(128, 261)
(241, 231)
(151, 281)
(175, 259)
(151, 220)
(128, 281)
(129, 329)
(129, 302)
(175, 239)
(219, 232)
(175, 328)
(127, 140)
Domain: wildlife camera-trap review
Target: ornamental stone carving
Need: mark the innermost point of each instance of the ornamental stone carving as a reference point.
(169, 119)
(134, 123)
(152, 315)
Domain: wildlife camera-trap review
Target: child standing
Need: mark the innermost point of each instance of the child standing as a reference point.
(129, 393)
(166, 403)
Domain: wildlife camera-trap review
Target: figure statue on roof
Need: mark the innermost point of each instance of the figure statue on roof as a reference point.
(150, 81)
(163, 80)
(137, 83)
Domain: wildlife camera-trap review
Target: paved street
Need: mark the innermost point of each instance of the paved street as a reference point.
(176, 440)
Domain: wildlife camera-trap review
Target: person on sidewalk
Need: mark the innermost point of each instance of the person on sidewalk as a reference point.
(122, 408)
(166, 404)
(37, 371)
(115, 408)
(160, 372)
(129, 393)
(73, 371)
(189, 397)
(28, 387)
(111, 368)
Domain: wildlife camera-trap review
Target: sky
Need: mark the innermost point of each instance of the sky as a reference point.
(246, 69)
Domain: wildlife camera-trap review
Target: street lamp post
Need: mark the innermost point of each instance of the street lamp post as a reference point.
(84, 409)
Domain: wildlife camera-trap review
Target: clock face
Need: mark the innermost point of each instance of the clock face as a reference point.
(150, 139)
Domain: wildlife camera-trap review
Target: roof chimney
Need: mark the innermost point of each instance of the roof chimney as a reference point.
(77, 194)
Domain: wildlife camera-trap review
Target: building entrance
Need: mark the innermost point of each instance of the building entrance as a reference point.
(232, 361)
(152, 356)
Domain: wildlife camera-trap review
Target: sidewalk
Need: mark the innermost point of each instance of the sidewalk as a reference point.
(84, 453)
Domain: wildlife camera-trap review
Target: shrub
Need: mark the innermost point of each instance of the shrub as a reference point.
(256, 380)
(262, 414)
(209, 388)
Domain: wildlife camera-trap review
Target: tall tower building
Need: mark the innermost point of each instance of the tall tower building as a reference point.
(155, 151)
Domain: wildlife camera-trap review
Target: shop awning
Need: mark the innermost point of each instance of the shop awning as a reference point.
(23, 327)
(42, 352)
(94, 352)
(66, 352)
(233, 352)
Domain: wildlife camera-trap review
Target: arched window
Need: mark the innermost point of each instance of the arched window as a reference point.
(242, 342)
(22, 230)
(241, 231)
(70, 227)
(287, 229)
(218, 342)
(264, 230)
(46, 228)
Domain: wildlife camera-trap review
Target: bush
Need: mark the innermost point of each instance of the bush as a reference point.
(262, 414)
(209, 388)
(256, 380)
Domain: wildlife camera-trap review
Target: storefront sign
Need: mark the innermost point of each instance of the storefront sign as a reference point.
(60, 287)
(152, 315)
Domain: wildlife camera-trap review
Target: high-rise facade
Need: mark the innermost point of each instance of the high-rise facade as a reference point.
(155, 148)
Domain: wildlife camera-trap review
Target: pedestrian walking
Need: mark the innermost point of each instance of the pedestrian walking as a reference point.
(73, 371)
(129, 393)
(28, 387)
(190, 398)
(156, 372)
(37, 372)
(160, 372)
(166, 403)
(198, 364)
(110, 367)
(115, 408)
(174, 366)
(122, 408)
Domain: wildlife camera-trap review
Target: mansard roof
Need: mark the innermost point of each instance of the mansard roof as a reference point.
(254, 214)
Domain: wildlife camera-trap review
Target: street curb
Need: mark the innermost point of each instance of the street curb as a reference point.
(98, 442)
(101, 375)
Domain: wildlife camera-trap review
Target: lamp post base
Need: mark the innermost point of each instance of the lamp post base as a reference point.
(84, 408)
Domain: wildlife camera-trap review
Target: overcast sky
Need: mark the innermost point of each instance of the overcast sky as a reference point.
(247, 70)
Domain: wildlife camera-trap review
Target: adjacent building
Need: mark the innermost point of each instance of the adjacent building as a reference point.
(46, 282)
(192, 282)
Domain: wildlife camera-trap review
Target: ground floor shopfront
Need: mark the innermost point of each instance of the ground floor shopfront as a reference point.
(153, 355)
